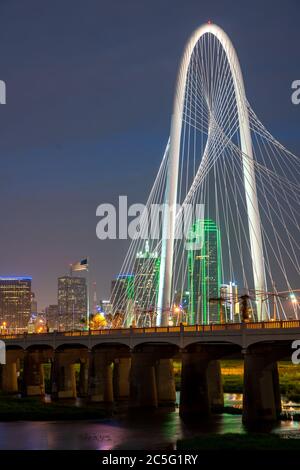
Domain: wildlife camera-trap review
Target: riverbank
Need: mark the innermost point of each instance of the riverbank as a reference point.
(239, 442)
(289, 378)
(35, 409)
(14, 408)
(233, 377)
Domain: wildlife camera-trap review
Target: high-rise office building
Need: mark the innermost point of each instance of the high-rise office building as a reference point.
(33, 304)
(15, 303)
(53, 319)
(72, 302)
(121, 292)
(204, 272)
(146, 278)
(230, 304)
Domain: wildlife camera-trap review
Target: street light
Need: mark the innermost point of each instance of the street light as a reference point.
(293, 298)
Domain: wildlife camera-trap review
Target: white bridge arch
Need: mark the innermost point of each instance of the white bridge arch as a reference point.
(254, 223)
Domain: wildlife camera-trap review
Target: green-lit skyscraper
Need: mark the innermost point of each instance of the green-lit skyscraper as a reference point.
(204, 272)
(122, 292)
(146, 277)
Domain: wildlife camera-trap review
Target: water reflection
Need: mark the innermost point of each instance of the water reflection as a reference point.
(148, 430)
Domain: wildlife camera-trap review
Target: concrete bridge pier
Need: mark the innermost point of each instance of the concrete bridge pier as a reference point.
(121, 374)
(83, 378)
(101, 377)
(276, 389)
(33, 374)
(166, 391)
(9, 377)
(63, 376)
(143, 390)
(11, 370)
(194, 396)
(261, 398)
(215, 386)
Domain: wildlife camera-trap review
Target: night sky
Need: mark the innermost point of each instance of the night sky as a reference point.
(89, 97)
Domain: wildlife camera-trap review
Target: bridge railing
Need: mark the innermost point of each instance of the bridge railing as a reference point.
(166, 329)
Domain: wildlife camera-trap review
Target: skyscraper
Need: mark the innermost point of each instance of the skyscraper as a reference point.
(121, 292)
(53, 318)
(146, 277)
(33, 304)
(231, 306)
(72, 302)
(204, 272)
(15, 302)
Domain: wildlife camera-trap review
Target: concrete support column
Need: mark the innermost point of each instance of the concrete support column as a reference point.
(121, 378)
(261, 398)
(33, 374)
(63, 377)
(194, 397)
(215, 386)
(166, 391)
(143, 391)
(276, 388)
(83, 378)
(9, 378)
(101, 377)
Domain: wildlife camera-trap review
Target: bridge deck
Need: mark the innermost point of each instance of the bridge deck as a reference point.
(242, 334)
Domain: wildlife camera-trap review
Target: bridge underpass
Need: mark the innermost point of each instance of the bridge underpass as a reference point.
(64, 383)
(201, 381)
(109, 373)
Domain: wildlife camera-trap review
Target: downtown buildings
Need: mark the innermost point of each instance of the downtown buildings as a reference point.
(53, 319)
(146, 278)
(72, 303)
(122, 291)
(230, 302)
(135, 295)
(15, 303)
(204, 273)
(18, 306)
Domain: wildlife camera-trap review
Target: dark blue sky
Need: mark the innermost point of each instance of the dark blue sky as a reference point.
(89, 94)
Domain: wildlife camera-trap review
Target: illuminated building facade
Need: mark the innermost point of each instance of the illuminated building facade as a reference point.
(53, 319)
(33, 304)
(121, 292)
(72, 302)
(204, 272)
(15, 303)
(230, 304)
(146, 279)
(105, 306)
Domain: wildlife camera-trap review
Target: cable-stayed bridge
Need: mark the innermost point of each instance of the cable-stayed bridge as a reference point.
(226, 234)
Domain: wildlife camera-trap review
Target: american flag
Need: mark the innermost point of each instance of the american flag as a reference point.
(80, 265)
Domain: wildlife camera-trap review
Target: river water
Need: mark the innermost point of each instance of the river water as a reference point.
(147, 431)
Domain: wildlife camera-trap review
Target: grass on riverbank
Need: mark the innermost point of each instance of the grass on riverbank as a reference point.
(233, 374)
(34, 409)
(289, 378)
(239, 442)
